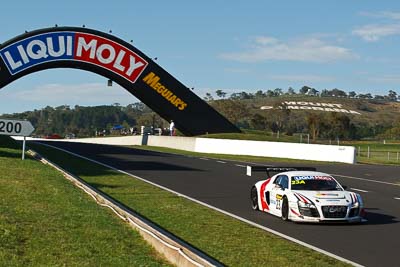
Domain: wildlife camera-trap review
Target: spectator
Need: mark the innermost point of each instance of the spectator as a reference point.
(172, 128)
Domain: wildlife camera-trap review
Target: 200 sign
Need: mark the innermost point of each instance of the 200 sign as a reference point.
(10, 127)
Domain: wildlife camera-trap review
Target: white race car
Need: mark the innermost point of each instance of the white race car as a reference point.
(302, 194)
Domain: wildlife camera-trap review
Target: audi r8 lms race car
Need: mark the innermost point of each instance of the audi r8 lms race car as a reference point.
(302, 194)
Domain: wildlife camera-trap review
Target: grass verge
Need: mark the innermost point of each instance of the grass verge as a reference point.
(228, 240)
(46, 221)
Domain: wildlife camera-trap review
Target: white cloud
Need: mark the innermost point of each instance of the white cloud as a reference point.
(374, 32)
(302, 78)
(265, 40)
(266, 48)
(383, 14)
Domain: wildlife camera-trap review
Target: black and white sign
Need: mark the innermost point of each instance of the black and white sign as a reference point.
(15, 127)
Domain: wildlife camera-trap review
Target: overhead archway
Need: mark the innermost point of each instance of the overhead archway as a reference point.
(117, 60)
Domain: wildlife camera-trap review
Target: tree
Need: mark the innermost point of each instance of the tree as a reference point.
(291, 91)
(244, 95)
(303, 90)
(314, 121)
(258, 122)
(259, 94)
(208, 97)
(270, 93)
(220, 93)
(233, 110)
(338, 93)
(278, 91)
(279, 116)
(312, 92)
(352, 94)
(392, 95)
(325, 92)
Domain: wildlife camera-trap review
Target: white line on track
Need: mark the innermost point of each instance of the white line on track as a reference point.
(398, 198)
(203, 159)
(221, 161)
(360, 190)
(363, 179)
(242, 166)
(217, 209)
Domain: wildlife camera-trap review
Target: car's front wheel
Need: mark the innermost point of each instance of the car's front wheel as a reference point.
(285, 209)
(254, 198)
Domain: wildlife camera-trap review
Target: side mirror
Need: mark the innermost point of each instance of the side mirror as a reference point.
(344, 187)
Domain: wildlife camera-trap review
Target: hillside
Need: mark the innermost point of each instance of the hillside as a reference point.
(321, 117)
(370, 110)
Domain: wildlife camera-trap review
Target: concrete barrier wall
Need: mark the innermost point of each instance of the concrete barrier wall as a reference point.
(116, 141)
(344, 154)
(176, 142)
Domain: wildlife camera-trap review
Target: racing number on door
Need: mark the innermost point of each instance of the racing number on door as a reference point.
(10, 127)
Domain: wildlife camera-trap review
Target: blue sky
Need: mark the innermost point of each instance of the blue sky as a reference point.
(209, 45)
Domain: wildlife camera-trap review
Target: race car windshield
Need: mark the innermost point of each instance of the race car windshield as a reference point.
(315, 183)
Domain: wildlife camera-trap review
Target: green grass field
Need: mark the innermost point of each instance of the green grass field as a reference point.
(228, 240)
(46, 221)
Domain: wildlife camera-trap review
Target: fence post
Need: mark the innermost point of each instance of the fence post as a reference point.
(388, 155)
(368, 152)
(397, 156)
(359, 151)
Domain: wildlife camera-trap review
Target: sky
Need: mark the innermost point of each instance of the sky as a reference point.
(210, 45)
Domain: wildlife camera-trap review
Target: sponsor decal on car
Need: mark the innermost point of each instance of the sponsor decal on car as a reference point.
(326, 195)
(312, 177)
(264, 204)
(73, 46)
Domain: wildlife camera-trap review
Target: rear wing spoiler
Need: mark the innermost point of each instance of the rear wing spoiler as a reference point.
(268, 170)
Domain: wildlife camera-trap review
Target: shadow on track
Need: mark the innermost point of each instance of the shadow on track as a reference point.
(375, 218)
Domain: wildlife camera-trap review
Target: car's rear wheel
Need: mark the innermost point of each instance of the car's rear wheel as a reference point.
(254, 198)
(285, 209)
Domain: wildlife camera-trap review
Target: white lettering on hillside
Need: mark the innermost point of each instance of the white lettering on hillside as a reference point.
(316, 106)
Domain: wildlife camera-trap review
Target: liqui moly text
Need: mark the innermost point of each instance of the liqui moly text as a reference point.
(76, 46)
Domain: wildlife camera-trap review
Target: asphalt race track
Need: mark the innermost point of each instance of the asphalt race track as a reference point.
(224, 184)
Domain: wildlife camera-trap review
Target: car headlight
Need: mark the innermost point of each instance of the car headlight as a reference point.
(306, 205)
